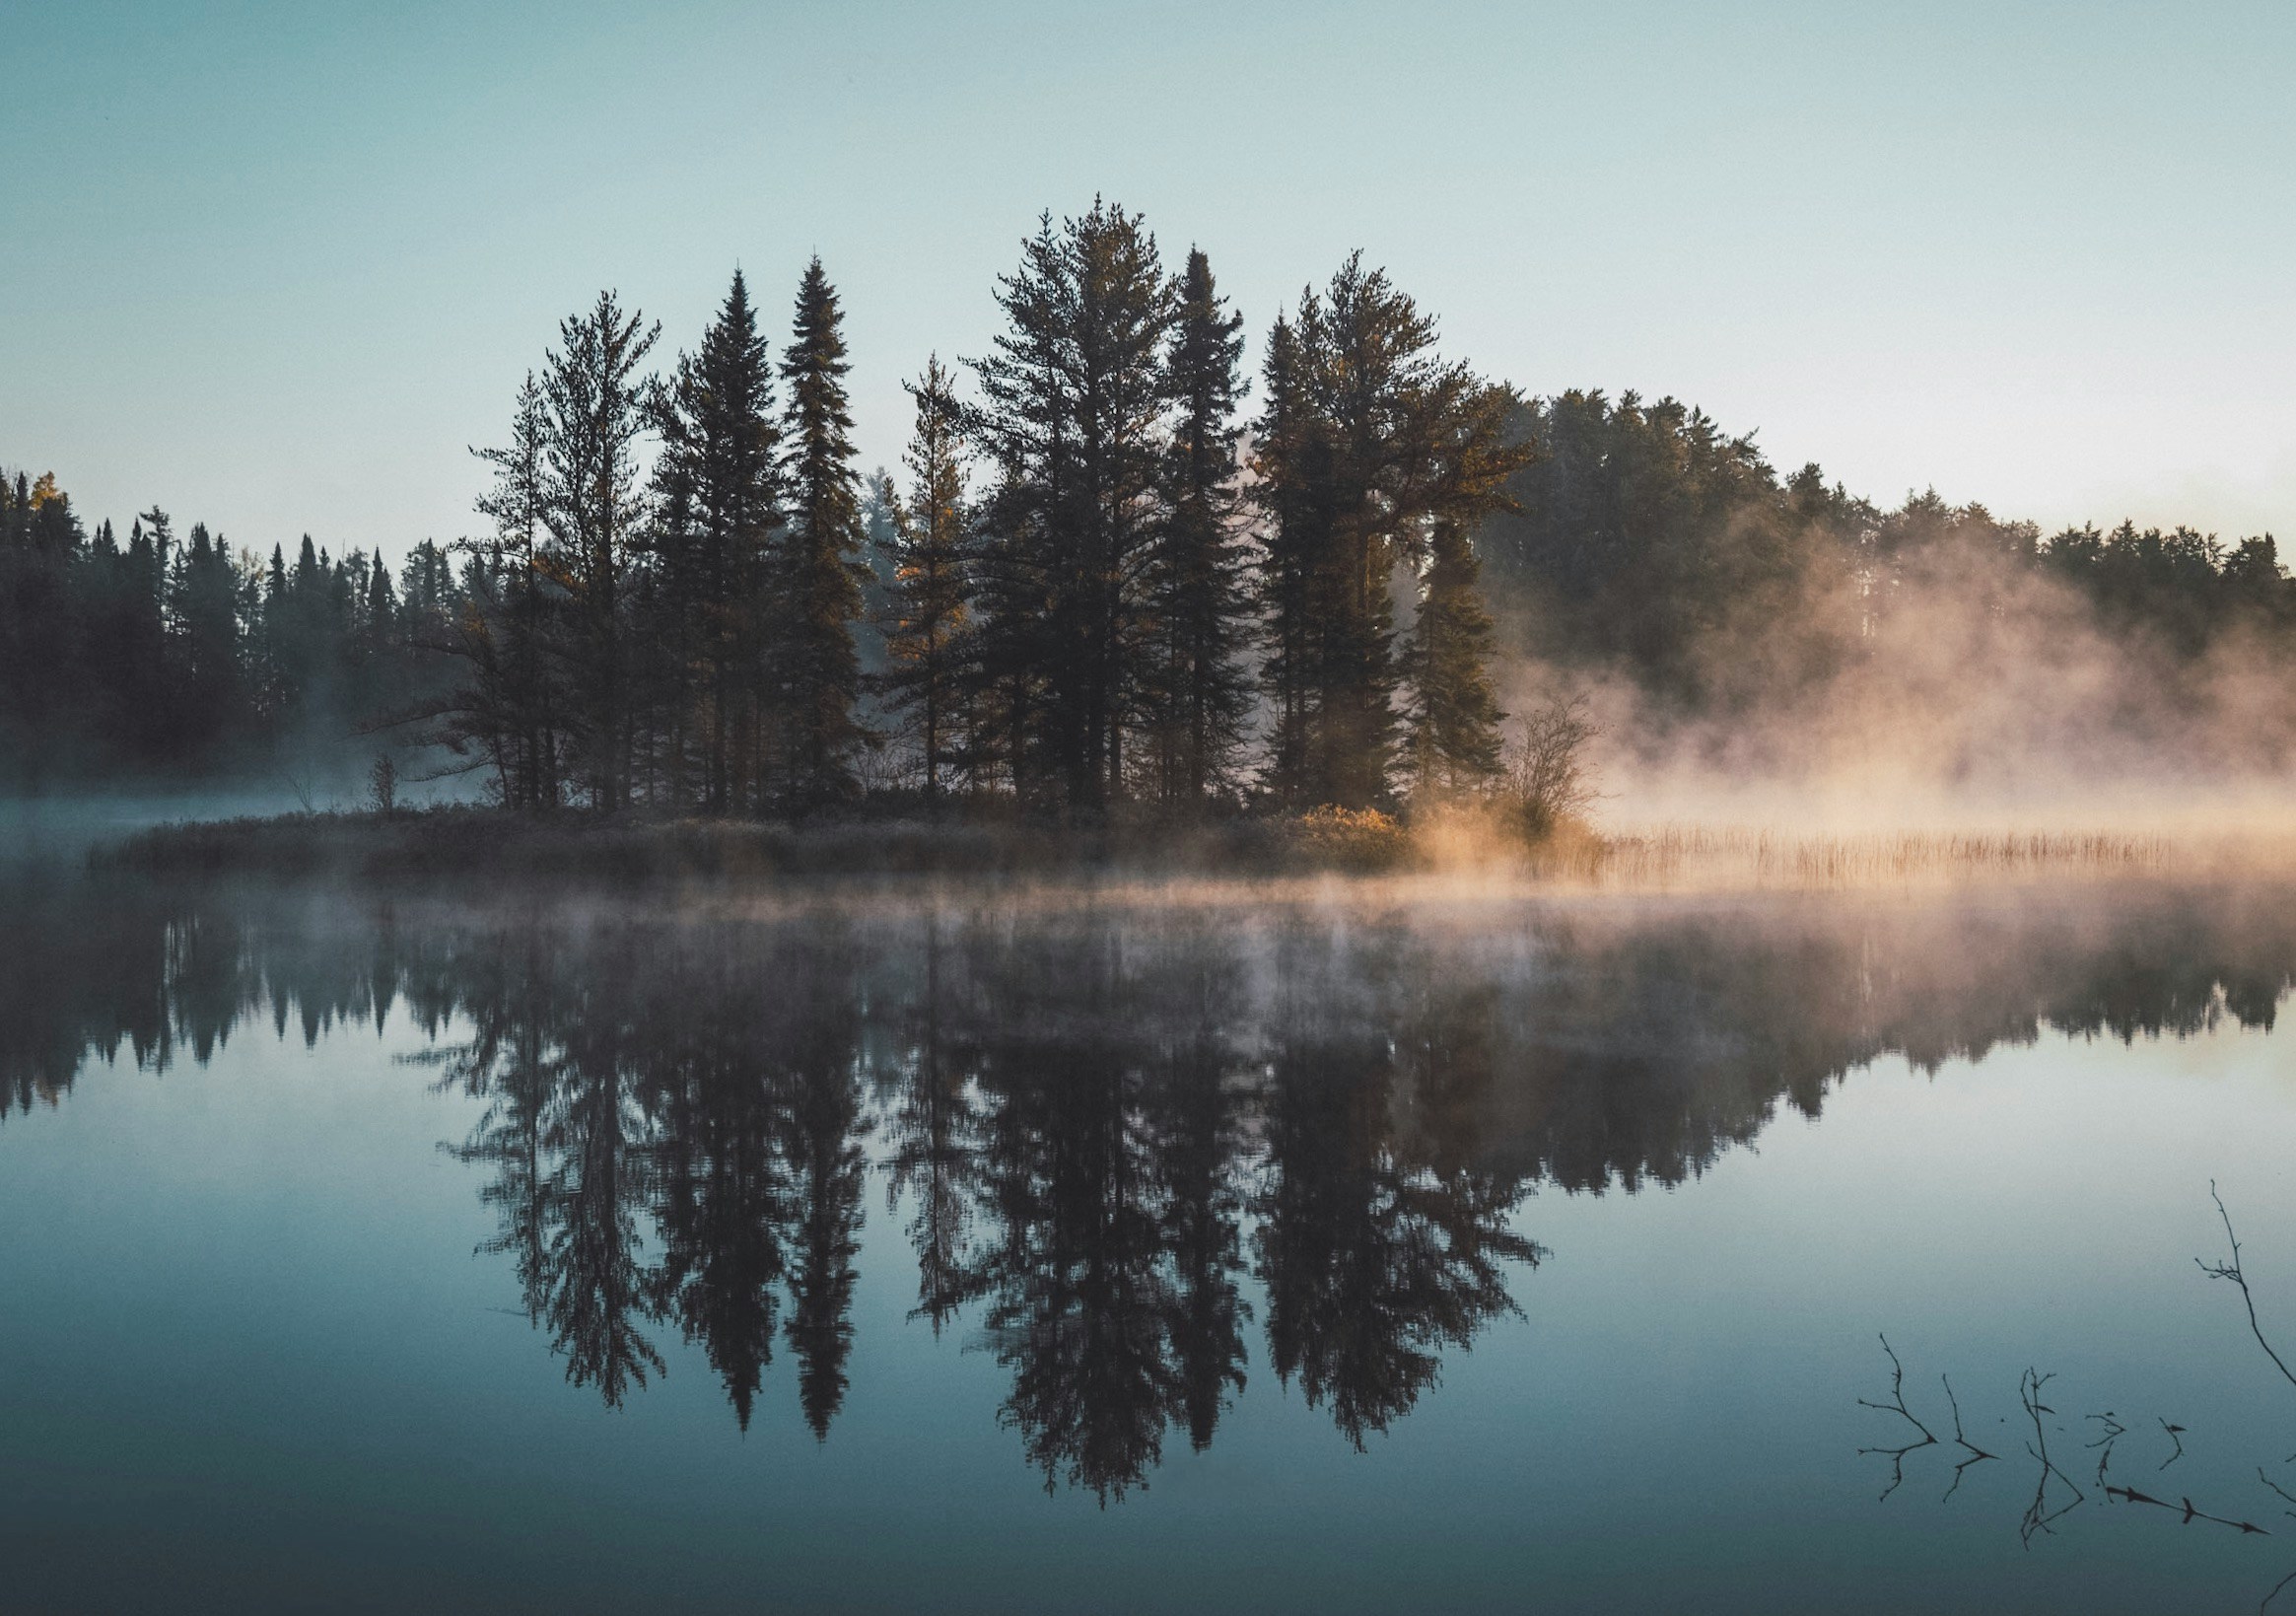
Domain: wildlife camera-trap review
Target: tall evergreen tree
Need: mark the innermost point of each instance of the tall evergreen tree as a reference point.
(204, 601)
(596, 406)
(1453, 743)
(718, 478)
(1383, 442)
(1075, 405)
(1289, 454)
(931, 588)
(1197, 597)
(517, 708)
(820, 575)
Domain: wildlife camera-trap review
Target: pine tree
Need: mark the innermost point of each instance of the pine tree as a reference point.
(820, 573)
(1196, 599)
(143, 704)
(1287, 449)
(930, 586)
(1454, 741)
(1382, 443)
(718, 484)
(203, 601)
(596, 407)
(1075, 407)
(512, 706)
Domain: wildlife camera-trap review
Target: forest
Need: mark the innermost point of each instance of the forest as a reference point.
(1114, 569)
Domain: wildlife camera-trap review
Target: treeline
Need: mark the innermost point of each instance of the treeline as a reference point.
(691, 599)
(171, 656)
(1098, 580)
(1641, 539)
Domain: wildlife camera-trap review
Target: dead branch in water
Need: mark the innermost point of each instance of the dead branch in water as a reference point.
(1897, 1405)
(2232, 1271)
(2186, 1508)
(2038, 1516)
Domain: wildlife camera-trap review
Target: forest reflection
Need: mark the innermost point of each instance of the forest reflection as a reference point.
(1122, 1144)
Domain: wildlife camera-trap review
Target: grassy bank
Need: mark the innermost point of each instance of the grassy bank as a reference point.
(481, 844)
(469, 845)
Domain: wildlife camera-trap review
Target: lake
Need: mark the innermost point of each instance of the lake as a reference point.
(1335, 1250)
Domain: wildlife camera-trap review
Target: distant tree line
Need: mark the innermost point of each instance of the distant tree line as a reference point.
(1640, 537)
(171, 656)
(1098, 581)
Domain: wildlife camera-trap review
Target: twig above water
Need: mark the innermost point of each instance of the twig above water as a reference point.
(1897, 1405)
(2186, 1508)
(2232, 1271)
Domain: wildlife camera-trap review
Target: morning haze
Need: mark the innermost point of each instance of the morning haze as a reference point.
(1181, 808)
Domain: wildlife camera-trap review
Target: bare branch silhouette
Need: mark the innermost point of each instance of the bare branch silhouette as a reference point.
(1976, 1454)
(2186, 1508)
(2114, 1432)
(2232, 1271)
(1897, 1405)
(2038, 1515)
(2277, 1488)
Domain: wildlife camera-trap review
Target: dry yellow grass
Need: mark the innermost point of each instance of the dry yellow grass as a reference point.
(1665, 856)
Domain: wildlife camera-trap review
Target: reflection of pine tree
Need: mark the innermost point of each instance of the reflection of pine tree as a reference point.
(824, 1162)
(1078, 1296)
(1372, 1263)
(1197, 1148)
(933, 1151)
(1082, 1293)
(723, 1197)
(595, 1295)
(510, 1062)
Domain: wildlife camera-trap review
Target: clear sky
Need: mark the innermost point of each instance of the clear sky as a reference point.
(274, 266)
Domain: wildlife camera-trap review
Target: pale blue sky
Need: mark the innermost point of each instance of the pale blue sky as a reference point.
(274, 266)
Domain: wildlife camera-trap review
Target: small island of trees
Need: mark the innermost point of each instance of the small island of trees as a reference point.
(1113, 573)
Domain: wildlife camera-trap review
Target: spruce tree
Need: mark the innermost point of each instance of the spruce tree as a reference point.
(1382, 443)
(1197, 598)
(1453, 743)
(203, 601)
(720, 486)
(820, 573)
(1286, 440)
(508, 713)
(1075, 404)
(596, 408)
(930, 586)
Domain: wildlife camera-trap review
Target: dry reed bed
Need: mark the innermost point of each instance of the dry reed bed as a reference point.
(1665, 856)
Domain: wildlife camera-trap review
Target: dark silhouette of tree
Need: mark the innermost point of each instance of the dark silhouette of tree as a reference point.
(1075, 394)
(723, 1200)
(510, 713)
(718, 485)
(1453, 743)
(1368, 442)
(824, 1237)
(820, 573)
(1196, 692)
(931, 585)
(935, 1132)
(597, 405)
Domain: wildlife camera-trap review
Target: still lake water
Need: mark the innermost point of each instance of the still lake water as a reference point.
(1150, 1254)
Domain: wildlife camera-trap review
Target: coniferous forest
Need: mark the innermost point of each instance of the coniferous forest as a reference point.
(1114, 566)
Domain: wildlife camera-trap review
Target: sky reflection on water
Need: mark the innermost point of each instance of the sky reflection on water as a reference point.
(1131, 1257)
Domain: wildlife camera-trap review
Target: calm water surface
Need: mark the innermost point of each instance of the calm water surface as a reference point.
(1129, 1255)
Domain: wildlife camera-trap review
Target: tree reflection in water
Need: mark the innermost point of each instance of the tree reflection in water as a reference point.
(1100, 1128)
